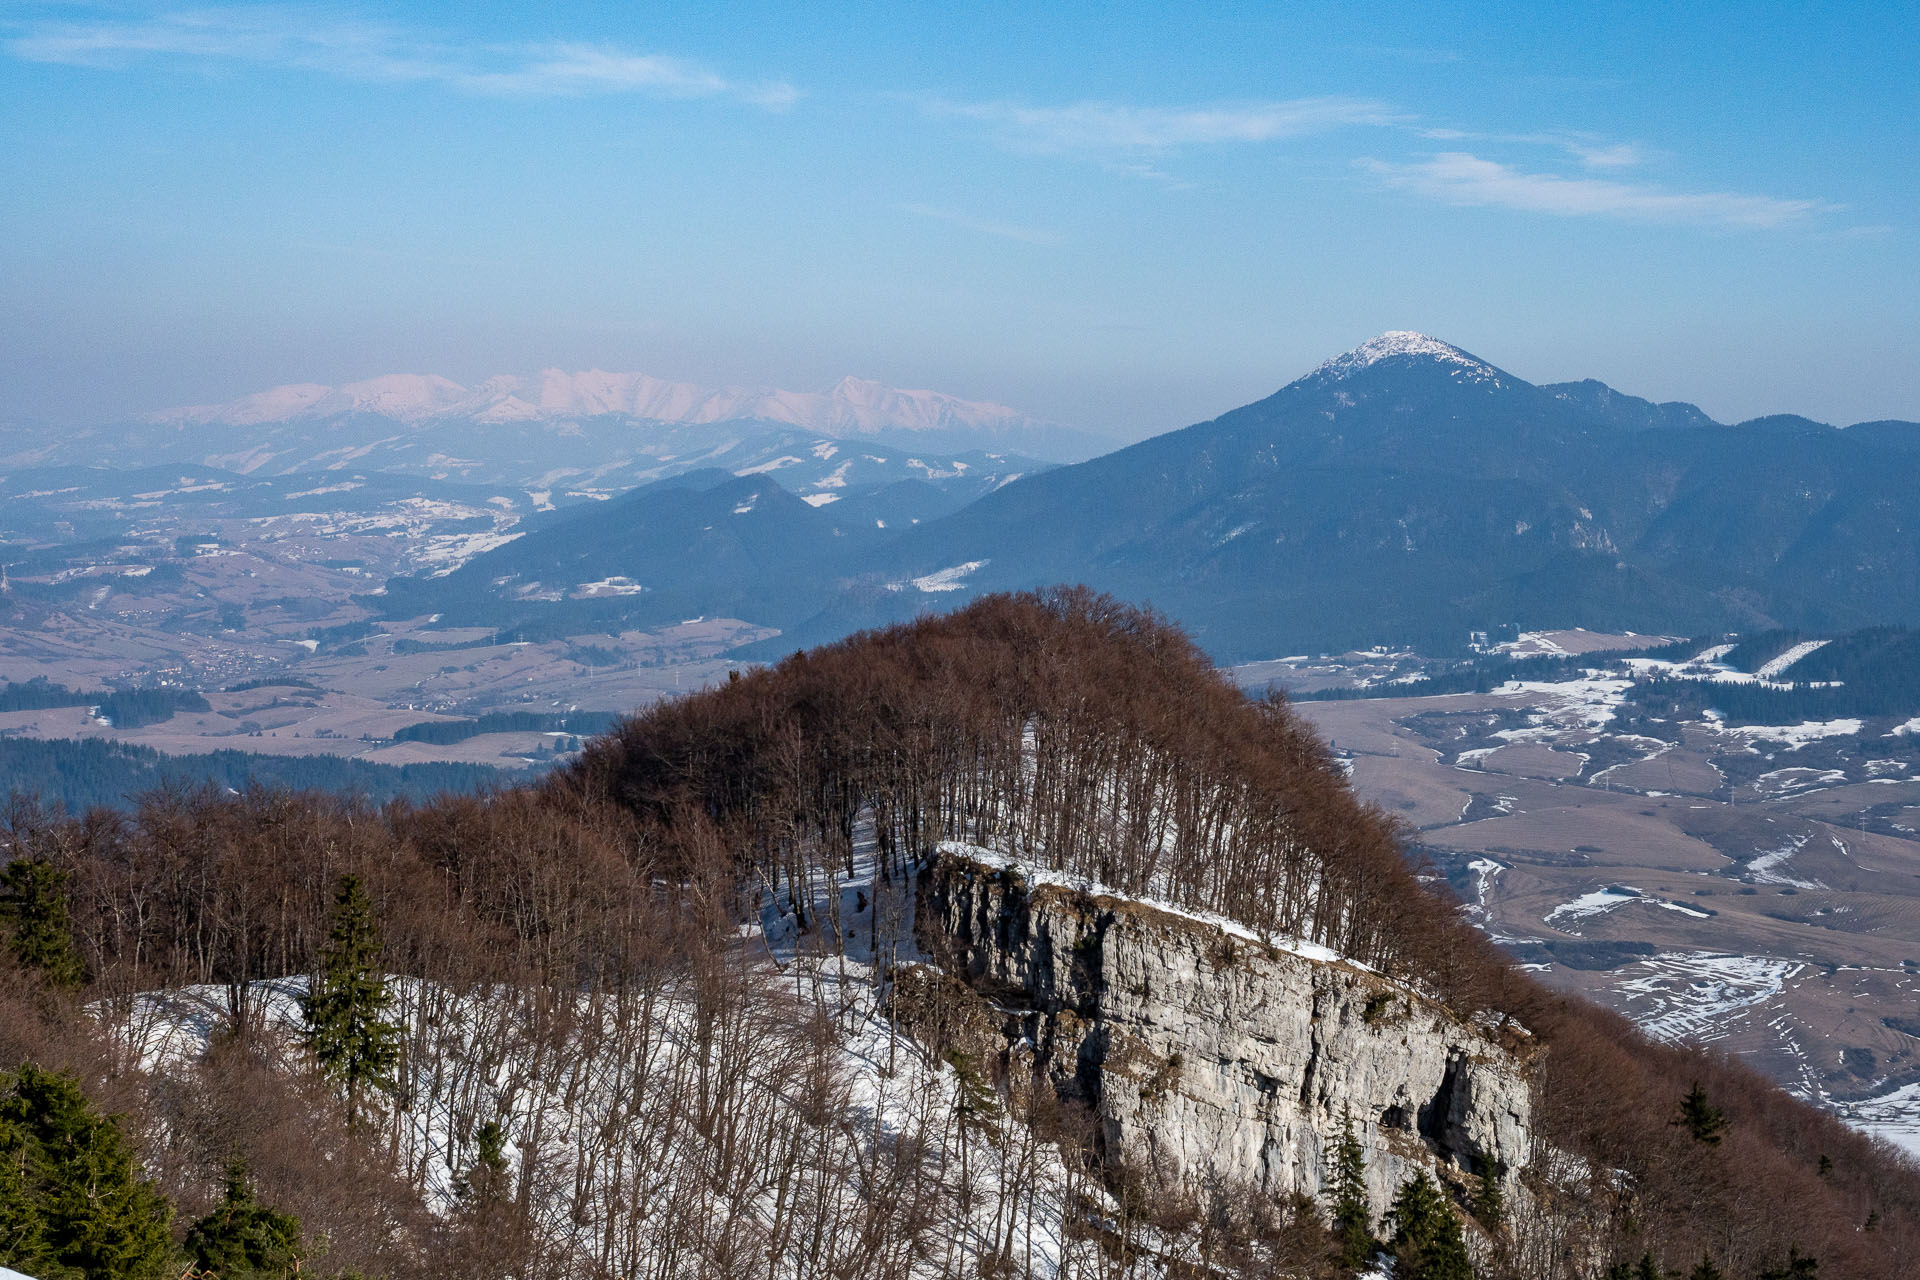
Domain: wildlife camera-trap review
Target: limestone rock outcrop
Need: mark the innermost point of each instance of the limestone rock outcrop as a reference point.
(1204, 1051)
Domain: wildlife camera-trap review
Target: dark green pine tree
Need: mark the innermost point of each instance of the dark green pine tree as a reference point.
(1648, 1269)
(1705, 1270)
(1352, 1223)
(1426, 1242)
(1798, 1266)
(242, 1239)
(351, 1041)
(1489, 1201)
(33, 907)
(84, 1209)
(1706, 1122)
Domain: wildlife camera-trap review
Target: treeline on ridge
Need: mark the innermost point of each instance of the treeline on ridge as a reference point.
(443, 733)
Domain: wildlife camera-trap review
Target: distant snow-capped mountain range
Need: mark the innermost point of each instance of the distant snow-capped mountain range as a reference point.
(853, 406)
(591, 431)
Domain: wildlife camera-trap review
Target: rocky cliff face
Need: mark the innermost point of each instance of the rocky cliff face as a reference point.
(1204, 1052)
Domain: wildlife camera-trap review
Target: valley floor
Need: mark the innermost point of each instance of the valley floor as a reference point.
(1754, 890)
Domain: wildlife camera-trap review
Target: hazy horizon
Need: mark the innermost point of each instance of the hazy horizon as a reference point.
(1120, 226)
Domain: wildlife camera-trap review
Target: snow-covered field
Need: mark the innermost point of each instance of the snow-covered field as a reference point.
(1695, 997)
(1894, 1116)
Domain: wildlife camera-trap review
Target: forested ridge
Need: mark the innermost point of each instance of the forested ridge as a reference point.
(569, 1059)
(85, 773)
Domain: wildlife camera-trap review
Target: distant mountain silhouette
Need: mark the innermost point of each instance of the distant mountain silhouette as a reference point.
(1404, 491)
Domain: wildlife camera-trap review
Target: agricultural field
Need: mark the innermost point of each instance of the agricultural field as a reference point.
(1748, 886)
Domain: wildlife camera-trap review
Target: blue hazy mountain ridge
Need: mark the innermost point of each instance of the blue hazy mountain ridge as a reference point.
(1405, 491)
(707, 542)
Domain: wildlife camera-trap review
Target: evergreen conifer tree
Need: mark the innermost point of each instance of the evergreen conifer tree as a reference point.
(353, 1044)
(1352, 1223)
(23, 1242)
(76, 1203)
(1705, 1270)
(1706, 1122)
(33, 907)
(1648, 1269)
(1426, 1243)
(1798, 1266)
(242, 1239)
(485, 1182)
(1489, 1201)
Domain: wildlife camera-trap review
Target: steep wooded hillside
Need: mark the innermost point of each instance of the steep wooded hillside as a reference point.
(701, 1006)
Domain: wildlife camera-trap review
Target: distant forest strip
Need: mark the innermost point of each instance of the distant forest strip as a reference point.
(1861, 675)
(86, 773)
(1763, 704)
(125, 708)
(442, 733)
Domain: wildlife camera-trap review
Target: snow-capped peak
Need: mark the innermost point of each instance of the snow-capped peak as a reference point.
(1404, 342)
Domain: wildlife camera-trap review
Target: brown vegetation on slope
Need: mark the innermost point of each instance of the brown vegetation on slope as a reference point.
(1094, 738)
(1066, 729)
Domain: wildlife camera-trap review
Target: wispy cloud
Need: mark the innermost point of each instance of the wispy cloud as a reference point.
(1592, 151)
(1456, 177)
(985, 226)
(1605, 155)
(1109, 127)
(364, 50)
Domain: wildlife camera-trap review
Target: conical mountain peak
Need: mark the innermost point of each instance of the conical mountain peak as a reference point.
(1403, 345)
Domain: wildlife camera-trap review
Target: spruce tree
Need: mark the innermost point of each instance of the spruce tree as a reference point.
(353, 1044)
(1426, 1242)
(242, 1239)
(1798, 1266)
(1648, 1269)
(1706, 1122)
(77, 1200)
(1705, 1270)
(23, 1238)
(33, 907)
(1489, 1200)
(1352, 1223)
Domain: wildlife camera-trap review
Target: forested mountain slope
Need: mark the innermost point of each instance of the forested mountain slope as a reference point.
(865, 965)
(1404, 492)
(1408, 491)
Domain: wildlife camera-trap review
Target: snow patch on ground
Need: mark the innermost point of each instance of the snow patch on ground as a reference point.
(1792, 737)
(1695, 996)
(948, 579)
(1776, 667)
(1769, 866)
(618, 585)
(1592, 904)
(1893, 1116)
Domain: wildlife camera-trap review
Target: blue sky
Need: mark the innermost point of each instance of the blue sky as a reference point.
(1123, 218)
